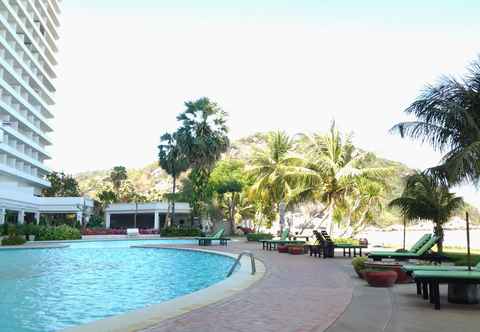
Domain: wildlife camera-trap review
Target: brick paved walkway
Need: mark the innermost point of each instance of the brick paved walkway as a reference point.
(297, 293)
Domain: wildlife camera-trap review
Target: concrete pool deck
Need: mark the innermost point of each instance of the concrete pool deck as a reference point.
(303, 293)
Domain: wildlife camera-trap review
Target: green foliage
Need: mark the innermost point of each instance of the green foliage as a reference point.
(461, 259)
(117, 176)
(62, 185)
(96, 221)
(201, 138)
(58, 233)
(448, 118)
(425, 198)
(13, 240)
(358, 263)
(180, 232)
(259, 236)
(346, 240)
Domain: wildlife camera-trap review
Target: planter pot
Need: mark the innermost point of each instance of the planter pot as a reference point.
(381, 278)
(359, 273)
(282, 249)
(402, 277)
(296, 250)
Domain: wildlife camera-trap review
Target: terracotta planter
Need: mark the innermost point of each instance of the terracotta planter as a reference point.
(402, 277)
(381, 278)
(282, 249)
(295, 250)
(359, 273)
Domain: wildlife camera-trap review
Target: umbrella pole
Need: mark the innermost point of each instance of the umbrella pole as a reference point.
(469, 258)
(404, 231)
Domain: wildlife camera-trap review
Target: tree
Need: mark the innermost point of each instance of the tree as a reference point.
(278, 175)
(117, 176)
(338, 167)
(228, 181)
(202, 138)
(172, 161)
(448, 117)
(61, 185)
(425, 198)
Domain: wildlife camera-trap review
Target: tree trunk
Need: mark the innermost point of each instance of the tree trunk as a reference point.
(439, 233)
(173, 198)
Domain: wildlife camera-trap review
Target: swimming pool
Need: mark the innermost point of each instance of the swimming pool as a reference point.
(46, 290)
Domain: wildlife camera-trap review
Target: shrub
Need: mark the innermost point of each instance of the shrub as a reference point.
(62, 232)
(13, 240)
(346, 240)
(104, 231)
(4, 230)
(402, 250)
(259, 236)
(148, 231)
(359, 263)
(173, 231)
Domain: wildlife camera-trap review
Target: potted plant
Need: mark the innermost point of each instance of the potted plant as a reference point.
(358, 264)
(380, 277)
(296, 249)
(282, 248)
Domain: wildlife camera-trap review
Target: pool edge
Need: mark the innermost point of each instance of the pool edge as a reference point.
(153, 315)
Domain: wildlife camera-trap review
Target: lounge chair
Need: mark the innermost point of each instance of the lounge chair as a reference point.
(326, 246)
(272, 244)
(410, 269)
(218, 236)
(413, 249)
(431, 281)
(422, 253)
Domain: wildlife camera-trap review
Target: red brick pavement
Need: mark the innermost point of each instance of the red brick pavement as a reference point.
(297, 294)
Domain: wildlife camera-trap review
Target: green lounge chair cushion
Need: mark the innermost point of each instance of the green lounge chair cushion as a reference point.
(427, 246)
(420, 243)
(412, 268)
(448, 275)
(215, 236)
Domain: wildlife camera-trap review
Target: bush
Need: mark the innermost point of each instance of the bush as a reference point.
(96, 221)
(148, 231)
(359, 263)
(13, 240)
(104, 231)
(259, 236)
(461, 259)
(59, 233)
(173, 231)
(346, 240)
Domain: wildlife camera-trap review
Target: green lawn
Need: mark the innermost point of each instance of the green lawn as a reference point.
(460, 257)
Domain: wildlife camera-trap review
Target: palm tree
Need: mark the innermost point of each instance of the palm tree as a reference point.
(172, 161)
(425, 198)
(448, 117)
(338, 166)
(278, 175)
(117, 176)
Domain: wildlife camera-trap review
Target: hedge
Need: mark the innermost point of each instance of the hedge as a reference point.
(259, 236)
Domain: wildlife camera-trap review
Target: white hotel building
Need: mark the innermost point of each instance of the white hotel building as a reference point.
(28, 56)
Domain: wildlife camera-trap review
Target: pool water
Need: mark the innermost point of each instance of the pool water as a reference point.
(45, 290)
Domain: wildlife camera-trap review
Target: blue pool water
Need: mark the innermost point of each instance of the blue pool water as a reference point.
(45, 290)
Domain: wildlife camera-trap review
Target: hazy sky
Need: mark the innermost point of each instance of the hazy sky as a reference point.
(126, 67)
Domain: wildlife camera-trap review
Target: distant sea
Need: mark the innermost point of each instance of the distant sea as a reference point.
(454, 238)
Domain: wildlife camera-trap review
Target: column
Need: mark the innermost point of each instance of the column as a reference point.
(107, 220)
(79, 217)
(156, 221)
(2, 216)
(21, 217)
(37, 218)
(87, 219)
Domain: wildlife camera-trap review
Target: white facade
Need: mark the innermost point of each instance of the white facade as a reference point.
(156, 208)
(28, 55)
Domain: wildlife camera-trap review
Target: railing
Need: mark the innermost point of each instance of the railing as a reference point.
(237, 261)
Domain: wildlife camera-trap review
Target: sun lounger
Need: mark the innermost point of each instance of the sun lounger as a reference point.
(422, 253)
(431, 280)
(218, 236)
(413, 249)
(326, 246)
(272, 244)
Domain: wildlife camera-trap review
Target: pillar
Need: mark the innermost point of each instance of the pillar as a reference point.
(2, 216)
(156, 221)
(107, 220)
(87, 219)
(37, 218)
(21, 217)
(79, 217)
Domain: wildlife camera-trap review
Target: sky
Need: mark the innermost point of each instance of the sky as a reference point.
(127, 66)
